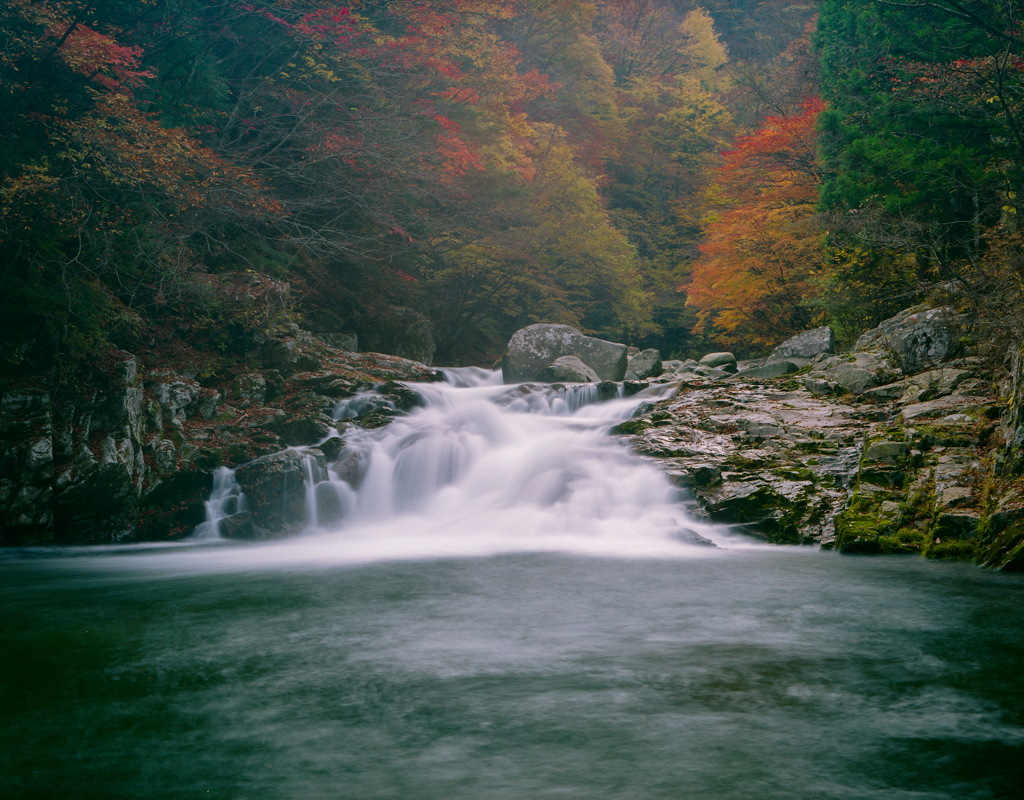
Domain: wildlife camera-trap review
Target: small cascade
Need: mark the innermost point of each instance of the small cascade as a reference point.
(482, 467)
(313, 476)
(485, 467)
(226, 500)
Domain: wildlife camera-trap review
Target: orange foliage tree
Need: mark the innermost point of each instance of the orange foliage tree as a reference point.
(752, 284)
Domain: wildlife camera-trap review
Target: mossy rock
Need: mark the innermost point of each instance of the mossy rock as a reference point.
(952, 550)
(632, 426)
(861, 533)
(905, 540)
(1007, 551)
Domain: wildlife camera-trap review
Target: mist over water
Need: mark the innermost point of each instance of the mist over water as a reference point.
(498, 601)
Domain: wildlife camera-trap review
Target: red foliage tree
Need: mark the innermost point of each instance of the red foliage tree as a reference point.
(763, 243)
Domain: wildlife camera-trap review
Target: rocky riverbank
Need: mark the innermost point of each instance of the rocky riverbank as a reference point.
(907, 444)
(130, 455)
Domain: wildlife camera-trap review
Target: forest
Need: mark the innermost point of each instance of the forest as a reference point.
(657, 172)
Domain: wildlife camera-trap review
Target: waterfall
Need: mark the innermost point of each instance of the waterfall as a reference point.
(226, 500)
(482, 467)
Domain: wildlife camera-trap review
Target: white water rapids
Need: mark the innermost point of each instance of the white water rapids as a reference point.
(485, 468)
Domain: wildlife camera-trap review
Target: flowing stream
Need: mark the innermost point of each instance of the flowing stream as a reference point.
(495, 600)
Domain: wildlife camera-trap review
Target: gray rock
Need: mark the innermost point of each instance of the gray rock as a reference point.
(805, 345)
(955, 497)
(933, 383)
(567, 369)
(918, 337)
(775, 369)
(717, 360)
(886, 451)
(819, 387)
(209, 404)
(27, 468)
(939, 407)
(891, 391)
(534, 347)
(275, 489)
(249, 390)
(857, 372)
(288, 355)
(645, 364)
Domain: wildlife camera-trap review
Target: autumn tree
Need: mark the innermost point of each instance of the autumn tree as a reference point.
(754, 281)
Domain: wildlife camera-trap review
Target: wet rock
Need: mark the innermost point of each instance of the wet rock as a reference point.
(718, 360)
(275, 488)
(1006, 551)
(301, 430)
(403, 398)
(240, 526)
(645, 364)
(331, 448)
(776, 369)
(567, 369)
(805, 346)
(532, 348)
(919, 337)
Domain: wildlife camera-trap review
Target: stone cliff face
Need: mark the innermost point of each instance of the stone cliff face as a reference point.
(130, 455)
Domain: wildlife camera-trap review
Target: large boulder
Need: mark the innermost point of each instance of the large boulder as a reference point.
(918, 338)
(567, 369)
(645, 364)
(532, 348)
(275, 489)
(806, 345)
(720, 360)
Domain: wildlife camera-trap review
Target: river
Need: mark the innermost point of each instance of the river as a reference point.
(501, 603)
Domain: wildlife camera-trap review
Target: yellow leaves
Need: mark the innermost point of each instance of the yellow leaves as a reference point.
(705, 54)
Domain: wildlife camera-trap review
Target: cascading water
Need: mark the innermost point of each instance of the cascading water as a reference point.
(226, 500)
(483, 468)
